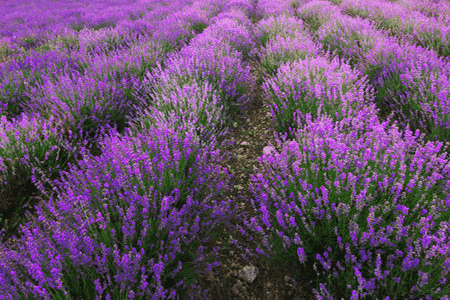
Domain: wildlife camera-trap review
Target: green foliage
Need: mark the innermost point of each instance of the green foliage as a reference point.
(78, 26)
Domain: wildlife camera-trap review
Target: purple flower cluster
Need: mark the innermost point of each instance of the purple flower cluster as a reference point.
(275, 7)
(317, 12)
(272, 26)
(440, 10)
(302, 86)
(285, 47)
(221, 65)
(228, 29)
(33, 142)
(123, 206)
(192, 107)
(303, 194)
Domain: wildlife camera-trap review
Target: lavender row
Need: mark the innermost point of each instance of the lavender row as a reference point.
(409, 79)
(119, 210)
(343, 195)
(220, 70)
(276, 7)
(27, 28)
(400, 22)
(438, 9)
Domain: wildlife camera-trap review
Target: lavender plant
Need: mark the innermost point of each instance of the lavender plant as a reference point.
(130, 220)
(230, 31)
(274, 7)
(173, 33)
(236, 14)
(85, 104)
(126, 64)
(24, 76)
(25, 144)
(191, 107)
(349, 37)
(301, 86)
(198, 19)
(383, 59)
(349, 201)
(221, 66)
(139, 30)
(101, 41)
(66, 42)
(273, 26)
(244, 6)
(317, 12)
(6, 52)
(425, 102)
(98, 21)
(282, 49)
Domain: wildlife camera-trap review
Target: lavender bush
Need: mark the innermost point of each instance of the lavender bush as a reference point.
(273, 26)
(6, 51)
(126, 64)
(128, 221)
(274, 7)
(350, 37)
(174, 32)
(138, 30)
(245, 6)
(317, 12)
(24, 76)
(388, 62)
(301, 86)
(235, 14)
(437, 9)
(25, 144)
(101, 41)
(220, 65)
(282, 49)
(237, 35)
(423, 100)
(351, 200)
(192, 107)
(85, 103)
(66, 42)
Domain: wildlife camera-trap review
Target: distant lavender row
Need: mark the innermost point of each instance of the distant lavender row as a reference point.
(348, 168)
(439, 9)
(30, 28)
(399, 21)
(220, 70)
(408, 78)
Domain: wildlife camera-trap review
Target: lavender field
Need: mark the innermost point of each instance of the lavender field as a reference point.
(225, 149)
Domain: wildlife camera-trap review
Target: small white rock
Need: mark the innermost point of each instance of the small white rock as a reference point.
(248, 273)
(268, 149)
